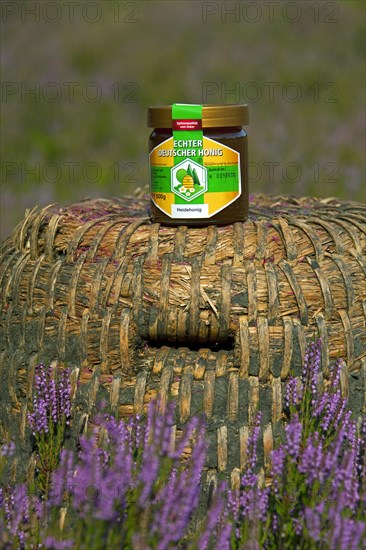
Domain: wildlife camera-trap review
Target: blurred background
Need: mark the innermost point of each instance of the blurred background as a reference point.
(77, 78)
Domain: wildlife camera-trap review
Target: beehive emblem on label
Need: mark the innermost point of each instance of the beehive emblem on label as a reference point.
(188, 180)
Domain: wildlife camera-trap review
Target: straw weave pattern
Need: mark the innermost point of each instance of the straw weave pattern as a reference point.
(215, 317)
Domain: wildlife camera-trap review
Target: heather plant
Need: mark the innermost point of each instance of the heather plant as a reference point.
(134, 485)
(124, 491)
(130, 486)
(317, 498)
(133, 490)
(249, 504)
(48, 420)
(6, 453)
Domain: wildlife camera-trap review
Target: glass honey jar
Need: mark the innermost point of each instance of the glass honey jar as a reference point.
(198, 164)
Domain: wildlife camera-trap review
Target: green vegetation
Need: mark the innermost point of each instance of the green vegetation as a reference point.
(75, 94)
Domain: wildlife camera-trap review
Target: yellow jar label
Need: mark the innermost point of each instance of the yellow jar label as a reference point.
(192, 176)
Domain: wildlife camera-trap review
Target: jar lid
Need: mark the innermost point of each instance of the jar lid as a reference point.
(213, 116)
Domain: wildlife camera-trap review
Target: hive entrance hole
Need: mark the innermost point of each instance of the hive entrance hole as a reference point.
(227, 345)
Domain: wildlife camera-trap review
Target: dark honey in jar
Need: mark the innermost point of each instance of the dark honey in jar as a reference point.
(198, 164)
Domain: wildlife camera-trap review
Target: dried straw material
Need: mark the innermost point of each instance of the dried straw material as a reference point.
(215, 317)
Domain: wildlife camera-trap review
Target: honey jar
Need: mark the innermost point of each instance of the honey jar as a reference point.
(198, 164)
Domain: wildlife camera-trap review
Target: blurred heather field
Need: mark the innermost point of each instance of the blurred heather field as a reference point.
(77, 78)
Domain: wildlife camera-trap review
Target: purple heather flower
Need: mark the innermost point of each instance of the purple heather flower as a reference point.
(342, 414)
(312, 367)
(274, 523)
(215, 519)
(253, 500)
(224, 536)
(334, 408)
(148, 476)
(133, 433)
(51, 401)
(62, 478)
(312, 520)
(278, 462)
(311, 460)
(39, 507)
(180, 496)
(345, 480)
(17, 506)
(167, 497)
(22, 538)
(344, 532)
(100, 479)
(8, 449)
(297, 526)
(64, 396)
(336, 461)
(330, 407)
(53, 544)
(293, 392)
(250, 502)
(252, 444)
(19, 511)
(293, 437)
(158, 443)
(190, 481)
(335, 373)
(177, 505)
(95, 486)
(53, 398)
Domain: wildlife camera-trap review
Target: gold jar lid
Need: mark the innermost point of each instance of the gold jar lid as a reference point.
(213, 116)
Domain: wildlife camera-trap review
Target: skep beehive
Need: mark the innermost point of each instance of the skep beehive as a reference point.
(214, 316)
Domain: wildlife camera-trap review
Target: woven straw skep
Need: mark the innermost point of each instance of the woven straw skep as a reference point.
(215, 317)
